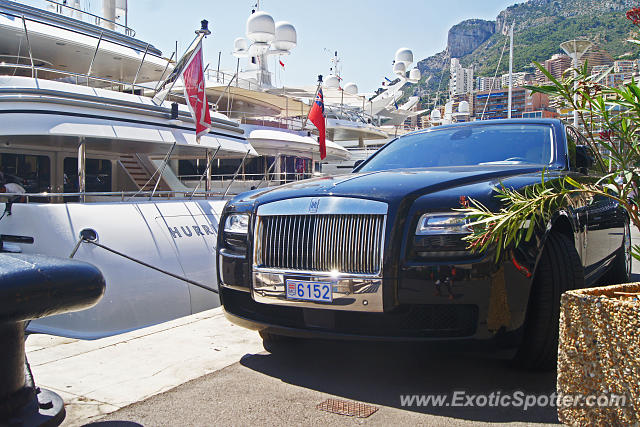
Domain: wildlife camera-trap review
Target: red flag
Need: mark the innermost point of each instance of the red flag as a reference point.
(281, 63)
(194, 93)
(316, 115)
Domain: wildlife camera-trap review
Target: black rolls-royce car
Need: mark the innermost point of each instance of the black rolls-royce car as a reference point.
(378, 254)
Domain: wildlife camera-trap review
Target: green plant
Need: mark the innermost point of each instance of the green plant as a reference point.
(610, 119)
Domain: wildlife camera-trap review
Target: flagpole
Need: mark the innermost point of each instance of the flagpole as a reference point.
(200, 34)
(304, 124)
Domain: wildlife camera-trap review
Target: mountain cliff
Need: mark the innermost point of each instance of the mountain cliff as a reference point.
(540, 26)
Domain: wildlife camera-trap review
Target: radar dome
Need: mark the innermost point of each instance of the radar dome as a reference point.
(240, 44)
(331, 82)
(435, 115)
(351, 88)
(399, 68)
(463, 107)
(261, 28)
(414, 75)
(404, 55)
(286, 37)
(448, 108)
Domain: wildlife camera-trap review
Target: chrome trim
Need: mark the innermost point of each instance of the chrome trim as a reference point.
(296, 236)
(326, 206)
(320, 243)
(226, 253)
(349, 292)
(323, 274)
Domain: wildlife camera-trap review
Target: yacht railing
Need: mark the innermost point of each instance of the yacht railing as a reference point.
(273, 176)
(224, 78)
(122, 195)
(79, 78)
(91, 18)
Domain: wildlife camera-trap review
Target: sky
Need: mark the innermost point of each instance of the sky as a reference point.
(366, 33)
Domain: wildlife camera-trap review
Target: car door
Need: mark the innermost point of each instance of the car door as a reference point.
(579, 205)
(604, 223)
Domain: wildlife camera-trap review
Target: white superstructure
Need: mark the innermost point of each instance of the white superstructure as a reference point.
(95, 157)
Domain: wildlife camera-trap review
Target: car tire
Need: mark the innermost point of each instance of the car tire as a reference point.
(620, 269)
(274, 343)
(559, 270)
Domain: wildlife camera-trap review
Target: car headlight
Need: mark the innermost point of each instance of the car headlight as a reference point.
(237, 223)
(443, 223)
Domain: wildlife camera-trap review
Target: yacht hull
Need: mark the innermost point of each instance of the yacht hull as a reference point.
(176, 236)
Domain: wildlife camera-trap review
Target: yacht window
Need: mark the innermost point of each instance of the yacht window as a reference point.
(253, 169)
(97, 175)
(32, 172)
(295, 168)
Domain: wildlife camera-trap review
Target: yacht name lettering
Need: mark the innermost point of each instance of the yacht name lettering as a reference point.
(192, 230)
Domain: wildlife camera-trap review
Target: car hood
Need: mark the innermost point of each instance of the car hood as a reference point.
(392, 184)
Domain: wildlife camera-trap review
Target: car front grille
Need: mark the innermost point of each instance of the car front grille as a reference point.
(346, 243)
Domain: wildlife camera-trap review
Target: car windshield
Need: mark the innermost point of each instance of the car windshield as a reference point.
(483, 144)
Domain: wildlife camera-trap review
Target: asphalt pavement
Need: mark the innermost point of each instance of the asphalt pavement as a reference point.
(286, 387)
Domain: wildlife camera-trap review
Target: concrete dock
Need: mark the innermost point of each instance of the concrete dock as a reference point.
(201, 370)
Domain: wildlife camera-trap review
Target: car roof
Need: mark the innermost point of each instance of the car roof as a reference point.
(552, 122)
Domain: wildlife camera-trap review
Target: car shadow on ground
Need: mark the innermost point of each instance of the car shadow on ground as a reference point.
(379, 373)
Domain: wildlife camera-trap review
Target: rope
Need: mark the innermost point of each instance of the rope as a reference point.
(130, 258)
(437, 101)
(494, 78)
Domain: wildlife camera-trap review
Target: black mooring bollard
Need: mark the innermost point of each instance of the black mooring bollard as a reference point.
(31, 287)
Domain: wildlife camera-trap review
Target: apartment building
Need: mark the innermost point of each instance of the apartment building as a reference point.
(461, 79)
(488, 83)
(494, 105)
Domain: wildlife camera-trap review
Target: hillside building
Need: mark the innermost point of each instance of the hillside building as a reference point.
(616, 79)
(488, 83)
(595, 57)
(556, 65)
(497, 104)
(626, 66)
(461, 81)
(600, 69)
(519, 79)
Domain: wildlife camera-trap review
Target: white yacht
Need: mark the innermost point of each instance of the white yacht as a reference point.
(273, 120)
(83, 142)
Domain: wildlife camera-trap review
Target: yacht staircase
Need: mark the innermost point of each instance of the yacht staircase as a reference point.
(140, 174)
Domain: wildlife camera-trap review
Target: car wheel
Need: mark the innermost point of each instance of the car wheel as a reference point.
(274, 343)
(559, 270)
(620, 269)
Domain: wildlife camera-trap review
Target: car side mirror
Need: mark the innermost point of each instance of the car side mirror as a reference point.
(584, 158)
(357, 163)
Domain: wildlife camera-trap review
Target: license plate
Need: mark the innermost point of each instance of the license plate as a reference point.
(309, 291)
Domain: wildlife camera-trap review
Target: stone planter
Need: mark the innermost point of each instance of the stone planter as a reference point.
(599, 356)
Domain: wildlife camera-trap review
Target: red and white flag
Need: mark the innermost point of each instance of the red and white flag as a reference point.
(194, 93)
(316, 116)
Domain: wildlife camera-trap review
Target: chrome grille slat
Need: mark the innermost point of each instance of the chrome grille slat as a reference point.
(347, 243)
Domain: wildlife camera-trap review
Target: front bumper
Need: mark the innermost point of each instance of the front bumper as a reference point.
(425, 321)
(351, 292)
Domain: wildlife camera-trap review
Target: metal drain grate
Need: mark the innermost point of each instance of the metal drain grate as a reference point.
(348, 408)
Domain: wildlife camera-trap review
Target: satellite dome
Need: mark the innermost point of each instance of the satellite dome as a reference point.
(448, 108)
(404, 55)
(351, 88)
(240, 44)
(261, 27)
(463, 107)
(399, 68)
(331, 82)
(435, 115)
(414, 75)
(286, 37)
